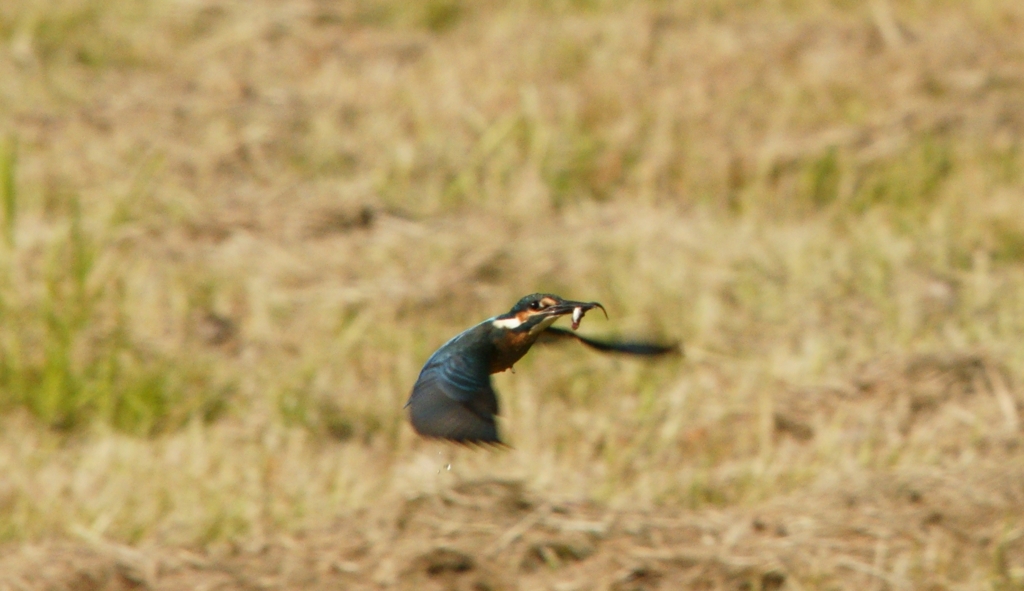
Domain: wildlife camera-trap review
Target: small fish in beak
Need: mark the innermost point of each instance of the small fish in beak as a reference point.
(577, 315)
(579, 309)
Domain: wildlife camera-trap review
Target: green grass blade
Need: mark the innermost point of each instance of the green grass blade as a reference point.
(8, 187)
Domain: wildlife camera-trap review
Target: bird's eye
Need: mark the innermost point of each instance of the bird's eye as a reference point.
(535, 305)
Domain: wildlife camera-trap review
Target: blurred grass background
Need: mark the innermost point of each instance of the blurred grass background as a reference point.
(233, 231)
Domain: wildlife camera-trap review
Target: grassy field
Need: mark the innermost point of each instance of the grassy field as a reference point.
(233, 231)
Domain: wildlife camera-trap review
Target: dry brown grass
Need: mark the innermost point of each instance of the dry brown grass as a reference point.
(234, 230)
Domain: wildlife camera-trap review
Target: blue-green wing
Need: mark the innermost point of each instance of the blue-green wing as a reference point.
(453, 399)
(640, 348)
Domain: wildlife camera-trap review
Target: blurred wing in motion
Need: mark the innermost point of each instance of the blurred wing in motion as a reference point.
(453, 399)
(641, 348)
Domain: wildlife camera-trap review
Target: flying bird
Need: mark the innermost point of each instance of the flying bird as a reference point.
(453, 398)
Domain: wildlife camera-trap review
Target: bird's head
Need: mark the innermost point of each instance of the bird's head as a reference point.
(538, 311)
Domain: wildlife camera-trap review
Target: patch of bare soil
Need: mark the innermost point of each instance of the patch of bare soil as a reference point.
(950, 523)
(908, 530)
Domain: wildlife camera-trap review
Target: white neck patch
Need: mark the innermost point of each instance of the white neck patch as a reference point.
(514, 322)
(543, 325)
(508, 323)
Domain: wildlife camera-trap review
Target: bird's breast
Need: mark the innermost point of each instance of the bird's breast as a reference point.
(510, 349)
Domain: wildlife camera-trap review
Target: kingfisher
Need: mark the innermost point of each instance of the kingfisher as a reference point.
(453, 398)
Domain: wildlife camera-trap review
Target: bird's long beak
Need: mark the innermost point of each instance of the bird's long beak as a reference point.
(577, 309)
